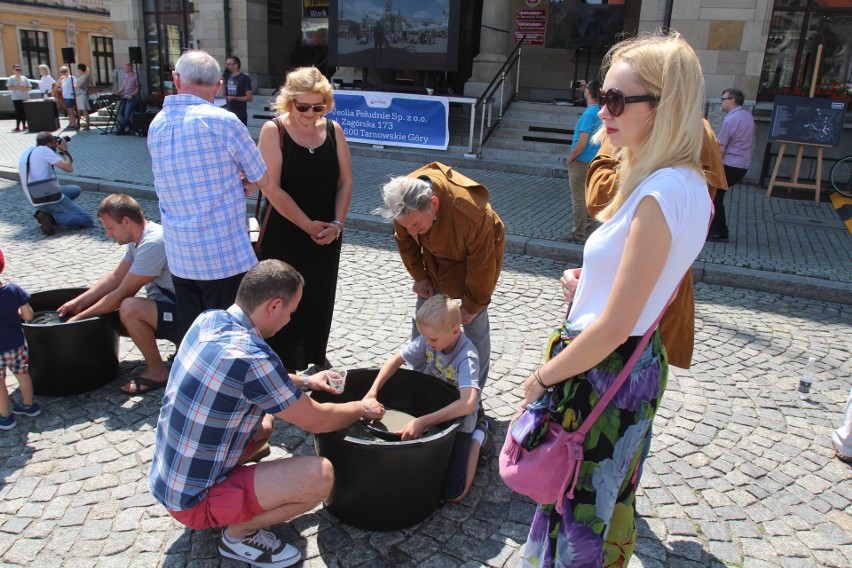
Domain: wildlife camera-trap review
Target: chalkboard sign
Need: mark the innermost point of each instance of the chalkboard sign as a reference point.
(805, 120)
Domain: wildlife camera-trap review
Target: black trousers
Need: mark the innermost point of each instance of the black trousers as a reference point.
(20, 119)
(720, 221)
(195, 296)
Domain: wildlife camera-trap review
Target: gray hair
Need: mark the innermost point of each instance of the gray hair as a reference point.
(198, 68)
(404, 195)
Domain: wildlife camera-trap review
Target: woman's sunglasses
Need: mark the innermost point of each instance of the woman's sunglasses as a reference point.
(615, 100)
(302, 107)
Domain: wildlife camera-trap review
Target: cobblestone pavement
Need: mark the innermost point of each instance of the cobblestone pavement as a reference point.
(769, 237)
(741, 473)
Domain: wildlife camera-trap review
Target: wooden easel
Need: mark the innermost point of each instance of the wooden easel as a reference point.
(794, 180)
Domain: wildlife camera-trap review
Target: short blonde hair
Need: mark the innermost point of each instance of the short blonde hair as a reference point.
(304, 81)
(64, 69)
(44, 68)
(439, 312)
(668, 68)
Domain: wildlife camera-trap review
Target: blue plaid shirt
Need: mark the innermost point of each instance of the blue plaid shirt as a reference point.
(198, 152)
(223, 380)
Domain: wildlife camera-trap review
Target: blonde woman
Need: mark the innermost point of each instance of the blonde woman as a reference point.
(82, 95)
(46, 82)
(311, 185)
(651, 103)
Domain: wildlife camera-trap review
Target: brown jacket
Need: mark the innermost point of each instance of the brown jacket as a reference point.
(678, 325)
(462, 253)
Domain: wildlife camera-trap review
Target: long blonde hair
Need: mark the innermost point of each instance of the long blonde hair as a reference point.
(668, 68)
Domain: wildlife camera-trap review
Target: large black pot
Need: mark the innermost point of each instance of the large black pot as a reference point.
(71, 358)
(381, 485)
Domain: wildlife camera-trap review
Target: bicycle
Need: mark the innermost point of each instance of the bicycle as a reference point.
(841, 176)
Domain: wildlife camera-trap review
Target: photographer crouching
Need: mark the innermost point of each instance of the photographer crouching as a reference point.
(54, 203)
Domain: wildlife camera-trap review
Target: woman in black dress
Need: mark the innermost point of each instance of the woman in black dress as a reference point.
(309, 163)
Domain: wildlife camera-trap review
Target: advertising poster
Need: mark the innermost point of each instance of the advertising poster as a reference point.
(393, 119)
(532, 24)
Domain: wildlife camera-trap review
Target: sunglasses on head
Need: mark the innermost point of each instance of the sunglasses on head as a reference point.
(614, 100)
(302, 107)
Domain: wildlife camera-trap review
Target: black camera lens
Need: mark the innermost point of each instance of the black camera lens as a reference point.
(59, 139)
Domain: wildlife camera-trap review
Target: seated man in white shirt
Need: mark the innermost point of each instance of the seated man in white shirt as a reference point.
(57, 209)
(144, 264)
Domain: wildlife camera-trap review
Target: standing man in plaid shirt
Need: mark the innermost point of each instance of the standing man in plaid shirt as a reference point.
(226, 385)
(204, 163)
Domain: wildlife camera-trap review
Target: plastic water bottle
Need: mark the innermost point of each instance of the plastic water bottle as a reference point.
(807, 379)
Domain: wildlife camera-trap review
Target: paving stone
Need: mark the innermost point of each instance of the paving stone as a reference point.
(734, 451)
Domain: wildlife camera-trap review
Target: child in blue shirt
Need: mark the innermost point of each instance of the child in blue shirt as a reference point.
(442, 350)
(14, 304)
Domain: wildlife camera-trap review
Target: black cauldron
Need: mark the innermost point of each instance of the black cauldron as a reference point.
(71, 358)
(382, 485)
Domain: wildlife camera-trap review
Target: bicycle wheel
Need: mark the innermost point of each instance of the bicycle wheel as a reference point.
(841, 176)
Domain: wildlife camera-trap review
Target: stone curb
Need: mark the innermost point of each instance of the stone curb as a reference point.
(707, 273)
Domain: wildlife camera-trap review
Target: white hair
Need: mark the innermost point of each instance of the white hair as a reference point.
(198, 68)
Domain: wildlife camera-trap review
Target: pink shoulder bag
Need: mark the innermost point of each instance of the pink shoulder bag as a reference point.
(551, 469)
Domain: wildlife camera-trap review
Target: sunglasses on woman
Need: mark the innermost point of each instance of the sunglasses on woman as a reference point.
(302, 107)
(615, 100)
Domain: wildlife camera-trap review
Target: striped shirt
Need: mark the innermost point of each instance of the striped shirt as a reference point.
(199, 153)
(223, 380)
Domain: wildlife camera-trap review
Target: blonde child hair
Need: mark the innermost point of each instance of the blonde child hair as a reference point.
(439, 312)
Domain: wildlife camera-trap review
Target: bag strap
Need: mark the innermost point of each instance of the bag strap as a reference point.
(622, 376)
(28, 168)
(628, 368)
(258, 204)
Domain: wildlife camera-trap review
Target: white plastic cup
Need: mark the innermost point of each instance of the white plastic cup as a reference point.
(337, 378)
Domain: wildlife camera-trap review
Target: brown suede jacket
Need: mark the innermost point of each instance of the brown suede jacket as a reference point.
(678, 325)
(462, 253)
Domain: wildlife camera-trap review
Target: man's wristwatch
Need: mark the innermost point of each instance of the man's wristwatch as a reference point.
(339, 226)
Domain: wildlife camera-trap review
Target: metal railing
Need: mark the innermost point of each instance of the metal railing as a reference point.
(485, 103)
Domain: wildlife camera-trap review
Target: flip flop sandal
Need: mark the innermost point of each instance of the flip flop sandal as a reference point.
(841, 457)
(141, 385)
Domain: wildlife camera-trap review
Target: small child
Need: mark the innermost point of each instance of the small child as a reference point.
(444, 351)
(14, 305)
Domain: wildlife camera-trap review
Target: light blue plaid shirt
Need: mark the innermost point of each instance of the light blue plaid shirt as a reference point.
(198, 153)
(223, 379)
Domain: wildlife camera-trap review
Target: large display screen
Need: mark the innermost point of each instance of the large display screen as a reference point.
(394, 34)
(584, 26)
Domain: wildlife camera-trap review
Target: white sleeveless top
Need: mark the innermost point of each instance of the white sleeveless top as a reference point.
(685, 203)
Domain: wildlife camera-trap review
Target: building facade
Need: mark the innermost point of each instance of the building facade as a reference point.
(35, 32)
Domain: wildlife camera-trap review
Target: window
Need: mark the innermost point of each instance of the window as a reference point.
(797, 29)
(166, 36)
(103, 60)
(34, 51)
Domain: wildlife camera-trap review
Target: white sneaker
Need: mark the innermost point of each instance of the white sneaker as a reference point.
(260, 549)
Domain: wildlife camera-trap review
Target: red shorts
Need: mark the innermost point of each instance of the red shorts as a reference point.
(16, 360)
(230, 502)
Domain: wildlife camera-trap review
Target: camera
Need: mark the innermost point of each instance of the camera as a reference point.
(59, 139)
(576, 84)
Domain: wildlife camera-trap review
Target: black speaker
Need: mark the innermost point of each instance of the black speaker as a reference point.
(136, 55)
(68, 55)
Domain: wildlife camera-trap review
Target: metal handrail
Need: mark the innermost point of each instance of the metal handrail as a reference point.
(485, 99)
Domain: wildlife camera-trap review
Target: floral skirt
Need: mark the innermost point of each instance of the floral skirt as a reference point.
(597, 527)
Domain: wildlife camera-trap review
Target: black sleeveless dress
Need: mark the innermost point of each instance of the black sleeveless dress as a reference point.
(311, 180)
